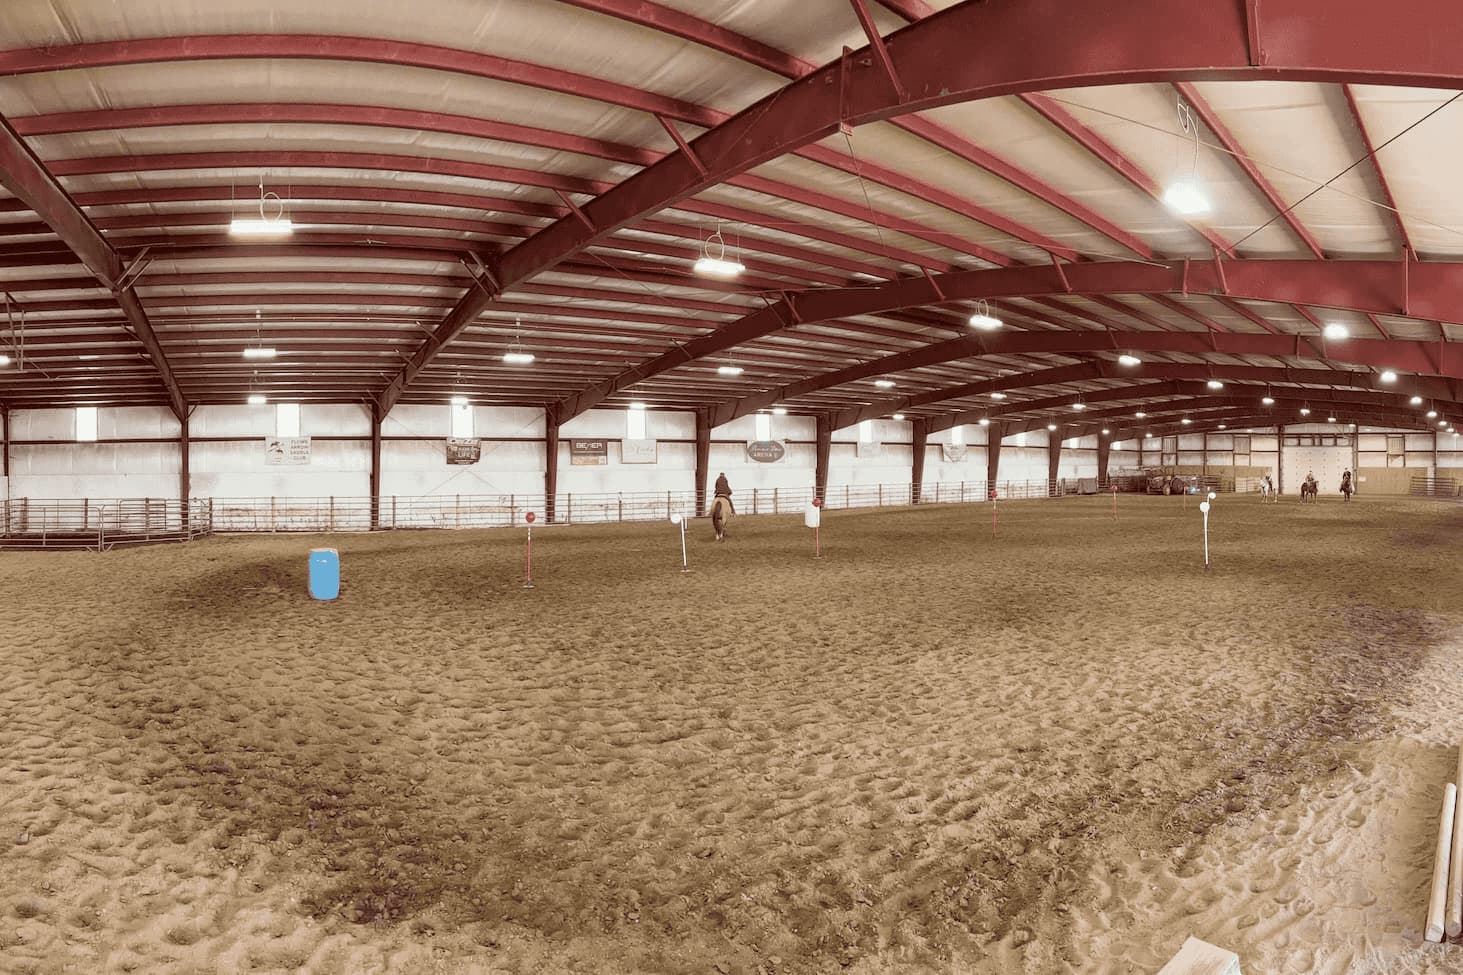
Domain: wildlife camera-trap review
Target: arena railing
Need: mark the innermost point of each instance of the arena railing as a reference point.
(118, 520)
(1430, 486)
(101, 524)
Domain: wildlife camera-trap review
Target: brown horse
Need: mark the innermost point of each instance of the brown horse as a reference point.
(721, 513)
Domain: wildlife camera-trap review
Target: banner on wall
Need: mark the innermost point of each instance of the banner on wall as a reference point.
(287, 451)
(872, 449)
(589, 453)
(765, 451)
(637, 451)
(954, 452)
(464, 451)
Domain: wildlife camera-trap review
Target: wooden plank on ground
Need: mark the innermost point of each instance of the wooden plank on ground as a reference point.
(1201, 958)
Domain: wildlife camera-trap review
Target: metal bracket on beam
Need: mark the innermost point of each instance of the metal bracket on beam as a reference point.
(1252, 29)
(490, 287)
(685, 147)
(1062, 275)
(881, 52)
(939, 292)
(843, 124)
(133, 271)
(1219, 269)
(576, 211)
(1406, 284)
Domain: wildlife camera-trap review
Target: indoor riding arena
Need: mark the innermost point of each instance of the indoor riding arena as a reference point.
(731, 487)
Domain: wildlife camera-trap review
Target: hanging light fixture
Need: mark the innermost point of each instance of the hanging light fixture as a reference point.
(884, 383)
(516, 356)
(263, 225)
(897, 416)
(1129, 360)
(1416, 401)
(1336, 330)
(1140, 414)
(258, 350)
(998, 395)
(779, 411)
(255, 398)
(1186, 421)
(1185, 194)
(717, 265)
(1305, 410)
(729, 370)
(1388, 376)
(985, 421)
(983, 318)
(1214, 384)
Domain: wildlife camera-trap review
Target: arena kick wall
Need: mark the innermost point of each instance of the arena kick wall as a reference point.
(138, 454)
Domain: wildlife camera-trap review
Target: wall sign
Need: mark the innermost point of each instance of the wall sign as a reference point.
(286, 451)
(954, 452)
(589, 453)
(765, 451)
(464, 451)
(637, 451)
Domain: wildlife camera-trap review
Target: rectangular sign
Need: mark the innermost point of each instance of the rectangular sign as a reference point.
(954, 452)
(589, 453)
(637, 451)
(286, 451)
(464, 451)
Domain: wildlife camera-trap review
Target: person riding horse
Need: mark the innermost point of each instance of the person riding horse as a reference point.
(721, 506)
(1346, 486)
(1309, 488)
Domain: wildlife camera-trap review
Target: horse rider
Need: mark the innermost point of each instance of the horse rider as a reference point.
(1309, 487)
(723, 490)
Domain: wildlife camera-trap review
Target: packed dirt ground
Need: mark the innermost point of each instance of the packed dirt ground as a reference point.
(1061, 749)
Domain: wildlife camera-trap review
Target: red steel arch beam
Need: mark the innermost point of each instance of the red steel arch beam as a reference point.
(1401, 225)
(1360, 285)
(24, 175)
(1428, 387)
(1144, 40)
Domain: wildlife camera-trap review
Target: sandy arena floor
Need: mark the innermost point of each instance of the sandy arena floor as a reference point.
(1061, 750)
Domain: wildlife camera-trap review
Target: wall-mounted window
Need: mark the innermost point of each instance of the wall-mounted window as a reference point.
(957, 435)
(866, 431)
(287, 419)
(464, 424)
(635, 424)
(764, 426)
(86, 424)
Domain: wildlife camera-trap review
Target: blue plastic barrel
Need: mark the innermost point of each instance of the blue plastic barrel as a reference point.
(324, 573)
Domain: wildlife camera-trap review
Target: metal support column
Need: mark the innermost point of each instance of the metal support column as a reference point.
(551, 464)
(917, 468)
(703, 457)
(824, 448)
(376, 420)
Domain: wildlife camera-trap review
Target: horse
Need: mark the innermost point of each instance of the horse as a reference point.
(721, 512)
(1309, 489)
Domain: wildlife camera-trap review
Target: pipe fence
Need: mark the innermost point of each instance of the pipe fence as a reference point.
(105, 523)
(101, 524)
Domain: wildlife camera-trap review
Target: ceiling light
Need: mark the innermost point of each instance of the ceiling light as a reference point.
(1442, 423)
(898, 416)
(1130, 360)
(985, 422)
(255, 352)
(518, 358)
(998, 395)
(1105, 431)
(1268, 400)
(1140, 414)
(1051, 426)
(1330, 419)
(986, 322)
(1148, 435)
(779, 411)
(637, 406)
(1214, 384)
(1335, 331)
(1224, 426)
(1186, 421)
(1431, 414)
(884, 383)
(729, 370)
(4, 360)
(1079, 406)
(256, 399)
(1389, 376)
(1305, 411)
(717, 267)
(1416, 401)
(458, 401)
(261, 227)
(1184, 196)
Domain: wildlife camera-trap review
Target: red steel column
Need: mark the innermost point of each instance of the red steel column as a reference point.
(184, 480)
(551, 465)
(825, 447)
(1053, 460)
(376, 420)
(703, 457)
(917, 471)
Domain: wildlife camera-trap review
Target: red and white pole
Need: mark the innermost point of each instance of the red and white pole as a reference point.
(528, 553)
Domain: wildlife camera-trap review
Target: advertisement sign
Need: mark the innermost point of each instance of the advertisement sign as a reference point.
(765, 451)
(286, 451)
(637, 451)
(464, 451)
(589, 453)
(954, 453)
